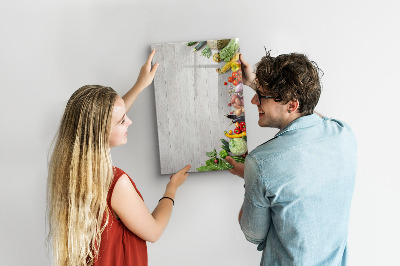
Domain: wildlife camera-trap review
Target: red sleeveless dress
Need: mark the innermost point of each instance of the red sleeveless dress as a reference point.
(119, 246)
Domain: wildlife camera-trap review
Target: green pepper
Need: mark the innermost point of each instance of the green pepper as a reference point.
(223, 154)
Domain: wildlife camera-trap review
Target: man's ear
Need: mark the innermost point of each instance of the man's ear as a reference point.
(293, 105)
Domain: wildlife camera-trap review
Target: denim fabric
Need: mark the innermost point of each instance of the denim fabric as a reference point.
(298, 191)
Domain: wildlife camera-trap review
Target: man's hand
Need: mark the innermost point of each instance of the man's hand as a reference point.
(248, 75)
(238, 168)
(146, 74)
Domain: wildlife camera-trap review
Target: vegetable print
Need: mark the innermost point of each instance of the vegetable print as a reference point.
(199, 105)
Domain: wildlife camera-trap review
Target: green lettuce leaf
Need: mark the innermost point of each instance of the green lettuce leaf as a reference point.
(212, 166)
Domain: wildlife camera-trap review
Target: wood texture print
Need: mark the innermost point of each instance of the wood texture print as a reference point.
(199, 105)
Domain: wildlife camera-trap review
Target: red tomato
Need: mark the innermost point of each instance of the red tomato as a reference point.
(230, 79)
(225, 83)
(234, 74)
(235, 82)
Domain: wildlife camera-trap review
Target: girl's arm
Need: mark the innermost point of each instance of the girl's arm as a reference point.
(131, 209)
(145, 78)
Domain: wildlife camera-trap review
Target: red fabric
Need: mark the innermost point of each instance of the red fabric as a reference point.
(119, 246)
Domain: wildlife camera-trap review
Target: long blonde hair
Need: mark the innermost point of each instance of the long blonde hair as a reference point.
(80, 174)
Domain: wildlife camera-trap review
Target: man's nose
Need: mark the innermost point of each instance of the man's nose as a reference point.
(254, 100)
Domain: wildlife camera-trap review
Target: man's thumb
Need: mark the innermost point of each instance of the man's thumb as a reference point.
(230, 160)
(242, 60)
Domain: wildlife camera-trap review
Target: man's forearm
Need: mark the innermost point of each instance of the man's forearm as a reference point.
(240, 213)
(318, 114)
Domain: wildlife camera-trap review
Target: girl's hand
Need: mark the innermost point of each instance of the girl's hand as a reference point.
(248, 75)
(176, 180)
(146, 74)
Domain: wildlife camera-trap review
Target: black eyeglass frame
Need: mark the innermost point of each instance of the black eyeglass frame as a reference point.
(276, 99)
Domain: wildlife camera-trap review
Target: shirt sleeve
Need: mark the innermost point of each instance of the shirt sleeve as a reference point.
(256, 217)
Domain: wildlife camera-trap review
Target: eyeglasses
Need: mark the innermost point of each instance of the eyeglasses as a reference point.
(276, 99)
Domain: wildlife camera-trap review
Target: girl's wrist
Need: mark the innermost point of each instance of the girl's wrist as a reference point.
(140, 85)
(137, 88)
(170, 190)
(169, 195)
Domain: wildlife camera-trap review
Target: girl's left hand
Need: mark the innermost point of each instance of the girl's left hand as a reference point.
(147, 73)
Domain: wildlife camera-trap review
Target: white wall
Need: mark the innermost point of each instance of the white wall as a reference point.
(48, 49)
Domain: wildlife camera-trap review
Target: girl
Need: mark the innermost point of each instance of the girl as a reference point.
(96, 214)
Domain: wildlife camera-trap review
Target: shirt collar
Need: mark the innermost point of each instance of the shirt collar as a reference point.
(301, 122)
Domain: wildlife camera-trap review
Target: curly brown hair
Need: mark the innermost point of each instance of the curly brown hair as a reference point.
(290, 77)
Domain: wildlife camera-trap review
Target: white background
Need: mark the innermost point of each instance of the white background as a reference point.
(48, 49)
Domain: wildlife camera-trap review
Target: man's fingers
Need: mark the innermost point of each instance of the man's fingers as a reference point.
(242, 60)
(230, 160)
(151, 56)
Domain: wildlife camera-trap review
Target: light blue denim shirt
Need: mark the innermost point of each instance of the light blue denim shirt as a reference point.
(298, 191)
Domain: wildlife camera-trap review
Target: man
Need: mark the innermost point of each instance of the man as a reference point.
(299, 184)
